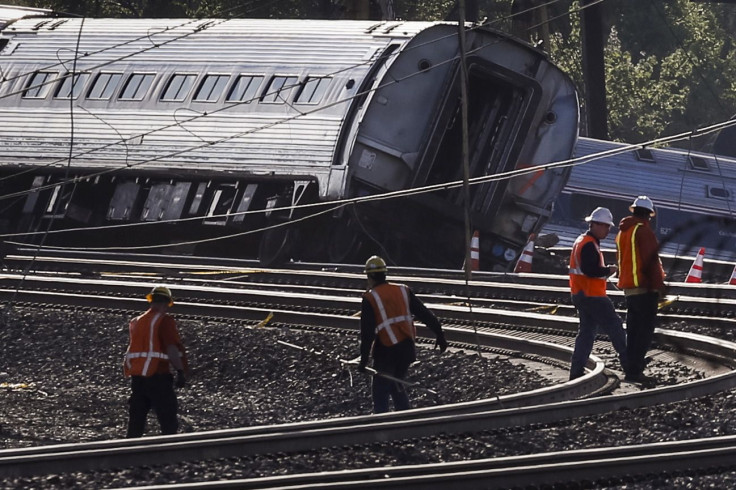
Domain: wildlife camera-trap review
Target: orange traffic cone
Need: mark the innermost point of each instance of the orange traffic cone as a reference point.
(524, 264)
(733, 277)
(696, 271)
(475, 251)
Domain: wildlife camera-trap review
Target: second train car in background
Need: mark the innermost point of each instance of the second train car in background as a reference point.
(220, 127)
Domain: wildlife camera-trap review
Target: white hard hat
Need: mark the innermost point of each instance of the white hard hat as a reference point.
(643, 202)
(600, 215)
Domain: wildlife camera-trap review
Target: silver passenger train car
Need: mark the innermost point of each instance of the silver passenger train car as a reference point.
(694, 194)
(260, 130)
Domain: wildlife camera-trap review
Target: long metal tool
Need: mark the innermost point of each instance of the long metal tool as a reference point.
(354, 362)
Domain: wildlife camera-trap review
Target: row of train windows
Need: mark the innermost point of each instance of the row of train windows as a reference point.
(245, 88)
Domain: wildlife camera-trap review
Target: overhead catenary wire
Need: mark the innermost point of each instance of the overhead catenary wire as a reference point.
(220, 140)
(57, 203)
(332, 202)
(180, 124)
(236, 104)
(335, 204)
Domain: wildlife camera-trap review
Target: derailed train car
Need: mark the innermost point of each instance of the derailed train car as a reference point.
(218, 128)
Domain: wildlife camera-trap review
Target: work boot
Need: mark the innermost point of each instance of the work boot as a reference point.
(642, 379)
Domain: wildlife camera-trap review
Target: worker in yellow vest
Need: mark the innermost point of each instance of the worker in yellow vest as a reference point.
(388, 332)
(641, 278)
(154, 347)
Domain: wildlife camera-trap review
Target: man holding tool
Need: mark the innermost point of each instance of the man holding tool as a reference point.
(387, 331)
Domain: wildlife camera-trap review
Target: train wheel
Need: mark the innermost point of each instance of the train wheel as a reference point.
(275, 247)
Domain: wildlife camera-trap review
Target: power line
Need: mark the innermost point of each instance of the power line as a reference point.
(237, 135)
(334, 205)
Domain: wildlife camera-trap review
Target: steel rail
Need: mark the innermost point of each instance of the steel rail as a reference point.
(352, 431)
(553, 468)
(715, 300)
(417, 423)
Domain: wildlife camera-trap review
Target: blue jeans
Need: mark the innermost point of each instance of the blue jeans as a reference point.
(594, 312)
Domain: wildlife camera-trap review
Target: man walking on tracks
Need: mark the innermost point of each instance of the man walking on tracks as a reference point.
(387, 330)
(641, 277)
(154, 346)
(588, 274)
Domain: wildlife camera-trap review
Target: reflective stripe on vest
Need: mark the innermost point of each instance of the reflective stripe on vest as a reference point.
(151, 343)
(579, 282)
(634, 260)
(628, 260)
(393, 328)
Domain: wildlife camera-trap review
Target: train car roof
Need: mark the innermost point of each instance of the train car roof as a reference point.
(673, 178)
(11, 13)
(196, 40)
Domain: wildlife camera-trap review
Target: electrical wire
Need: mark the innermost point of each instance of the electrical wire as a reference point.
(334, 205)
(266, 126)
(60, 195)
(195, 218)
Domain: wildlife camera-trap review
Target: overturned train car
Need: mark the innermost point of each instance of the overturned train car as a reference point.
(218, 134)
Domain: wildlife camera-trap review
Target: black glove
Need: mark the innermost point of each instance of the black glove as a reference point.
(362, 365)
(181, 380)
(441, 342)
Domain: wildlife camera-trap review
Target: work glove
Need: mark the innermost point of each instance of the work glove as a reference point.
(362, 365)
(441, 342)
(181, 380)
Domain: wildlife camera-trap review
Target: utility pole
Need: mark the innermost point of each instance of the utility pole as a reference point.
(357, 9)
(594, 73)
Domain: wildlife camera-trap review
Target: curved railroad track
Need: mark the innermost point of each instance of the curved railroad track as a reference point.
(331, 302)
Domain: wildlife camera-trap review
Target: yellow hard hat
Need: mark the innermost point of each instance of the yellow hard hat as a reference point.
(160, 291)
(375, 264)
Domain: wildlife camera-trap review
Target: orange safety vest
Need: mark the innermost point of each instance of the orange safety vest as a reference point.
(394, 321)
(145, 349)
(634, 269)
(579, 282)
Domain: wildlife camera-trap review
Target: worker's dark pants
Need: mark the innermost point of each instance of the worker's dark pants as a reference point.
(155, 392)
(641, 318)
(395, 362)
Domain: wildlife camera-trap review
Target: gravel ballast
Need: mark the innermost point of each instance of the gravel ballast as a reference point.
(62, 382)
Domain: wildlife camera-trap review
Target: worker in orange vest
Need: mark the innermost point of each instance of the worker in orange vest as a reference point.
(387, 331)
(154, 347)
(641, 277)
(588, 275)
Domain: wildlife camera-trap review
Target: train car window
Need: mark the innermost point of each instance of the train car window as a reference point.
(67, 89)
(211, 88)
(178, 88)
(644, 155)
(279, 89)
(38, 84)
(698, 163)
(244, 89)
(719, 193)
(136, 86)
(313, 90)
(104, 86)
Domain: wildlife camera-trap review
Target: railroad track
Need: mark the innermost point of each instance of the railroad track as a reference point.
(336, 311)
(687, 301)
(618, 464)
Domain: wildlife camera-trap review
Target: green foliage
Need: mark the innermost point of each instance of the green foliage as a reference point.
(670, 66)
